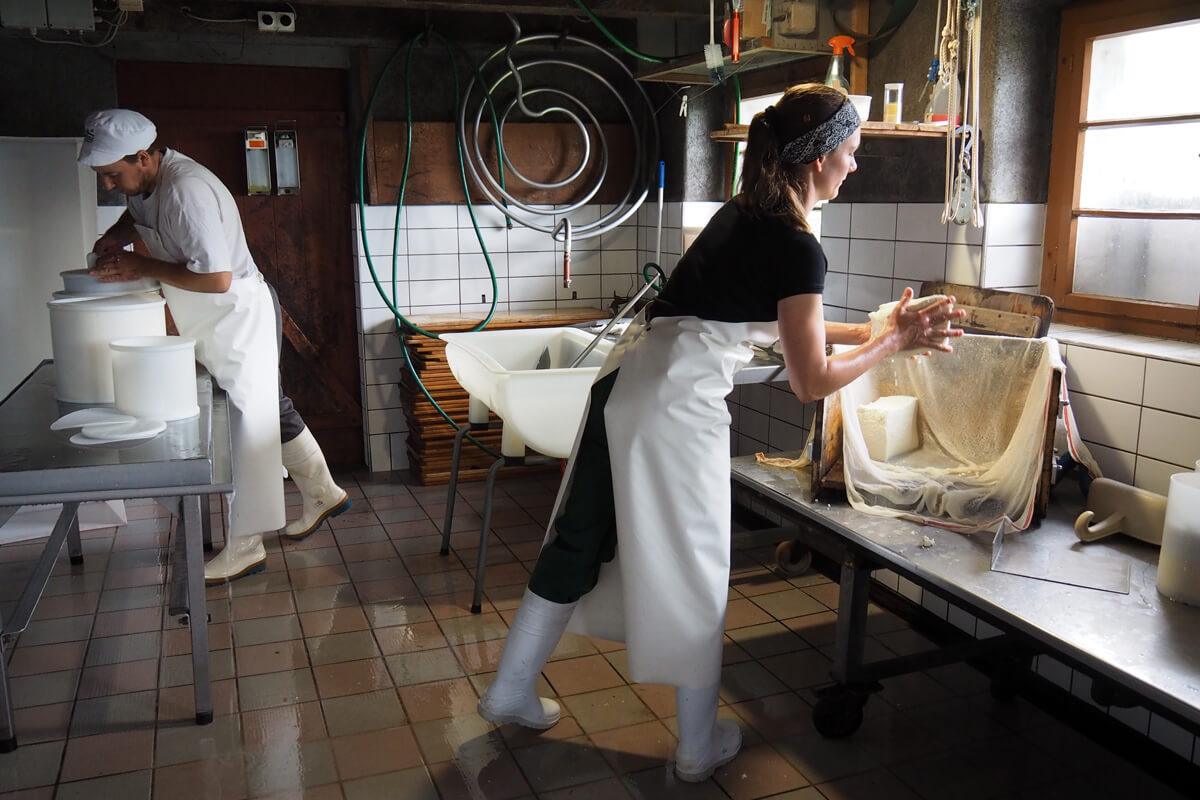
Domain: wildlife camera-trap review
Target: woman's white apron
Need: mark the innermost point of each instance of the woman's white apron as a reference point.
(668, 434)
(234, 333)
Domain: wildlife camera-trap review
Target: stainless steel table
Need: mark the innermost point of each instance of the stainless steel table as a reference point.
(180, 466)
(1140, 641)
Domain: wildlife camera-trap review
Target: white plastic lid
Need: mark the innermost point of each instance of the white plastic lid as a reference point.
(125, 302)
(159, 344)
(81, 281)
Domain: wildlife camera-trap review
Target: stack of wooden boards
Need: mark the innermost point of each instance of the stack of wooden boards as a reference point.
(430, 437)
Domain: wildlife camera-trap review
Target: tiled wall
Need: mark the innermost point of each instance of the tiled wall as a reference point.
(440, 269)
(1136, 399)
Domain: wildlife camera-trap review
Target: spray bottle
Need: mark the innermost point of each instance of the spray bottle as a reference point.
(837, 75)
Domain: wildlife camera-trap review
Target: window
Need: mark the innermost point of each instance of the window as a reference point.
(1123, 217)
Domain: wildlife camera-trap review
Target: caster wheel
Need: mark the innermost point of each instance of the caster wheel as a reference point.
(792, 558)
(838, 715)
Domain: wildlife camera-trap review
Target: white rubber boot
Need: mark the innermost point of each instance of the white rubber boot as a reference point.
(535, 631)
(304, 461)
(243, 555)
(705, 742)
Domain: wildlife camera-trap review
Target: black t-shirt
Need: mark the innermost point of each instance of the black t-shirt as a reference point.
(740, 267)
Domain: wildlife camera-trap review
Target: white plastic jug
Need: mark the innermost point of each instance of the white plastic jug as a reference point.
(80, 330)
(1179, 561)
(154, 377)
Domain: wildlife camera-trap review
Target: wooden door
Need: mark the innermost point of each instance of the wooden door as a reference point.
(300, 242)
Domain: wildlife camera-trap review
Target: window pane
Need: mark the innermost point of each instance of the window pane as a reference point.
(1142, 168)
(1138, 259)
(1148, 73)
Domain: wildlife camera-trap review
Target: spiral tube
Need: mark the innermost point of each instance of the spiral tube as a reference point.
(511, 91)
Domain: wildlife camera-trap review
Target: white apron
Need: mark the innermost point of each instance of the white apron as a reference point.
(234, 333)
(665, 593)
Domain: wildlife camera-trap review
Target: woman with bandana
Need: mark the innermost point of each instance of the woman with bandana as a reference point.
(639, 547)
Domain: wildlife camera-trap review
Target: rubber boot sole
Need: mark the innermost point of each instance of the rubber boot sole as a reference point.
(514, 719)
(332, 512)
(250, 570)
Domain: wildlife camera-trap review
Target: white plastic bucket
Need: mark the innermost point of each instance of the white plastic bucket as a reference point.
(1179, 561)
(80, 331)
(154, 377)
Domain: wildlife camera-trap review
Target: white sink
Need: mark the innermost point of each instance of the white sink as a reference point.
(541, 408)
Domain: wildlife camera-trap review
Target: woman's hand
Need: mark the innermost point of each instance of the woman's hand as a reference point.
(927, 328)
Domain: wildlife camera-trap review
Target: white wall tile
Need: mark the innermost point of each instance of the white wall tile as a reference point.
(539, 289)
(624, 237)
(935, 605)
(478, 291)
(383, 217)
(426, 241)
(755, 424)
(1011, 265)
(872, 256)
(378, 320)
(908, 589)
(379, 452)
(486, 216)
(494, 239)
(1116, 464)
(398, 450)
(1107, 422)
(787, 407)
(837, 253)
(673, 215)
(584, 215)
(473, 265)
(585, 287)
(920, 261)
(380, 243)
(587, 263)
(433, 293)
(617, 262)
(371, 297)
(835, 288)
(1137, 717)
(783, 436)
(963, 263)
(1172, 386)
(1154, 476)
(920, 222)
(1169, 437)
(382, 395)
(757, 397)
(382, 345)
(383, 370)
(961, 620)
(873, 221)
(835, 220)
(432, 268)
(522, 239)
(1054, 671)
(833, 314)
(444, 216)
(528, 265)
(867, 294)
(1103, 373)
(1014, 223)
(963, 234)
(386, 420)
(383, 268)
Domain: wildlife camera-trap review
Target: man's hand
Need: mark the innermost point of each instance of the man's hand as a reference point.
(121, 265)
(109, 243)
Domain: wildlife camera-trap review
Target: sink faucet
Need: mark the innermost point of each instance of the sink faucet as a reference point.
(565, 227)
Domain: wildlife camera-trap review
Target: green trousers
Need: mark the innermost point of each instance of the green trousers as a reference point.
(586, 526)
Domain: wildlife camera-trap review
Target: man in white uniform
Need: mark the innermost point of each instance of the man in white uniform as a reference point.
(190, 223)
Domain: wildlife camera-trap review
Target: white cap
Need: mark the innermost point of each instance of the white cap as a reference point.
(112, 134)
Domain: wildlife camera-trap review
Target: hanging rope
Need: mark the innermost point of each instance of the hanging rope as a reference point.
(962, 145)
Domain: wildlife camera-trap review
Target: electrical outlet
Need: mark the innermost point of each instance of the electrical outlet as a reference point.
(277, 21)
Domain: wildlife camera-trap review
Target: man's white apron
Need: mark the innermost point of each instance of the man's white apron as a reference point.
(665, 593)
(235, 341)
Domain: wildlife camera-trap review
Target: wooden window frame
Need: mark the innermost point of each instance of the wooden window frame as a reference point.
(1081, 25)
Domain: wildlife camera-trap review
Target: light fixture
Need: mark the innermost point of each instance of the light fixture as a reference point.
(287, 161)
(258, 162)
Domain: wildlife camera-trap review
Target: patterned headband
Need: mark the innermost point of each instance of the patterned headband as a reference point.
(808, 147)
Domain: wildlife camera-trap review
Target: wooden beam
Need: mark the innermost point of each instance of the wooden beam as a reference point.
(628, 9)
(860, 19)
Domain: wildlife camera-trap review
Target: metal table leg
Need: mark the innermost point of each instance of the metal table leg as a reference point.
(477, 601)
(454, 457)
(192, 541)
(65, 527)
(74, 542)
(206, 522)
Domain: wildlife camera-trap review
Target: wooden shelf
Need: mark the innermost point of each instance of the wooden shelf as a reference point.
(737, 133)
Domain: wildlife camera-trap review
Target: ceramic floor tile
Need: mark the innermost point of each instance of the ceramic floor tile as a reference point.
(439, 700)
(320, 598)
(42, 723)
(424, 666)
(479, 657)
(131, 676)
(402, 612)
(494, 775)
(333, 620)
(47, 658)
(339, 647)
(352, 677)
(107, 754)
(768, 639)
(447, 606)
(789, 603)
(127, 786)
(289, 767)
(177, 641)
(315, 557)
(758, 772)
(35, 765)
(409, 784)
(130, 647)
(777, 716)
(178, 703)
(636, 747)
(607, 709)
(267, 629)
(116, 713)
(555, 765)
(117, 623)
(258, 659)
(183, 741)
(371, 753)
(276, 689)
(578, 675)
(743, 613)
(368, 550)
(177, 670)
(801, 669)
(410, 638)
(300, 722)
(475, 628)
(466, 736)
(214, 779)
(57, 631)
(875, 785)
(367, 711)
(367, 534)
(817, 629)
(37, 690)
(748, 680)
(265, 605)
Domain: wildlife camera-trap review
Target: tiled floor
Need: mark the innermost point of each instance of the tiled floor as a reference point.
(351, 668)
